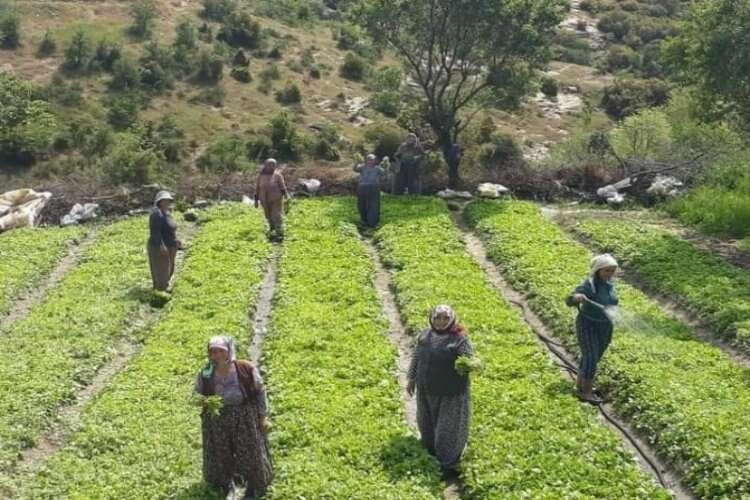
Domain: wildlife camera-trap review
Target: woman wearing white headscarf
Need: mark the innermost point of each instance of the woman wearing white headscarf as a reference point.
(235, 441)
(593, 326)
(162, 241)
(443, 394)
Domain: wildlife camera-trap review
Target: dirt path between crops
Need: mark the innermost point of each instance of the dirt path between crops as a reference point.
(26, 302)
(648, 460)
(263, 307)
(671, 307)
(68, 419)
(396, 329)
(403, 342)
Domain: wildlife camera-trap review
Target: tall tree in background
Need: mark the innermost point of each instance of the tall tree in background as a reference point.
(461, 51)
(712, 54)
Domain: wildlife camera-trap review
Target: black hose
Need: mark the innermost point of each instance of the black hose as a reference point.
(572, 370)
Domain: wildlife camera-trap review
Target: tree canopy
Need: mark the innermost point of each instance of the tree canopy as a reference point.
(458, 51)
(712, 53)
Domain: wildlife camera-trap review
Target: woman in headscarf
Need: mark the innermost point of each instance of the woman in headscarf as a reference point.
(593, 326)
(409, 156)
(162, 241)
(270, 191)
(235, 441)
(368, 190)
(443, 394)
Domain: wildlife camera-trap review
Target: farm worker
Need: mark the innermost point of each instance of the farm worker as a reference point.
(593, 326)
(270, 191)
(443, 395)
(368, 191)
(409, 156)
(162, 241)
(235, 441)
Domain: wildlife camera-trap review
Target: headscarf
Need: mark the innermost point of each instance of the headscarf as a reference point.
(598, 263)
(269, 166)
(222, 342)
(445, 310)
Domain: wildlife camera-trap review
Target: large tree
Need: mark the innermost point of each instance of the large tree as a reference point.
(712, 53)
(461, 51)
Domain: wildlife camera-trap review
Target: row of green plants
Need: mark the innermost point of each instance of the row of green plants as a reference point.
(141, 438)
(340, 430)
(46, 357)
(27, 256)
(706, 284)
(530, 438)
(684, 396)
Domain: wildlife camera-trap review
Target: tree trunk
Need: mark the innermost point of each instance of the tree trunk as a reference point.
(453, 161)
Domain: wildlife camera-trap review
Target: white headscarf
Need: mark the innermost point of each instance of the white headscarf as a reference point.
(223, 342)
(219, 342)
(598, 263)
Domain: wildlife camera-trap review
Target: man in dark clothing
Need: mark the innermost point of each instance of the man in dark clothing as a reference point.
(409, 156)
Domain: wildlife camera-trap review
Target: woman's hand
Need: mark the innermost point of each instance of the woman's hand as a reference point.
(163, 250)
(410, 387)
(579, 298)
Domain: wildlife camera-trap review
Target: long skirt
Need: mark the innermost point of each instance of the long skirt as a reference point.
(368, 203)
(162, 266)
(235, 447)
(273, 209)
(443, 423)
(594, 338)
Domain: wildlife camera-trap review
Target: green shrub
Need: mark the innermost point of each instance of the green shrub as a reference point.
(714, 210)
(144, 14)
(10, 30)
(210, 67)
(105, 56)
(290, 94)
(387, 102)
(502, 152)
(129, 163)
(123, 111)
(354, 67)
(549, 87)
(227, 154)
(27, 127)
(384, 139)
(186, 35)
(325, 144)
(125, 75)
(78, 54)
(218, 10)
(240, 30)
(47, 46)
(626, 97)
(241, 75)
(616, 22)
(619, 58)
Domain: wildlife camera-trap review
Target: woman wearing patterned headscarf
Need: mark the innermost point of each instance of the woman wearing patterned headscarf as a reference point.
(443, 394)
(235, 443)
(593, 326)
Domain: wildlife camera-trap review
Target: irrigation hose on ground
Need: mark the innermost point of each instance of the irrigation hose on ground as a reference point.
(573, 372)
